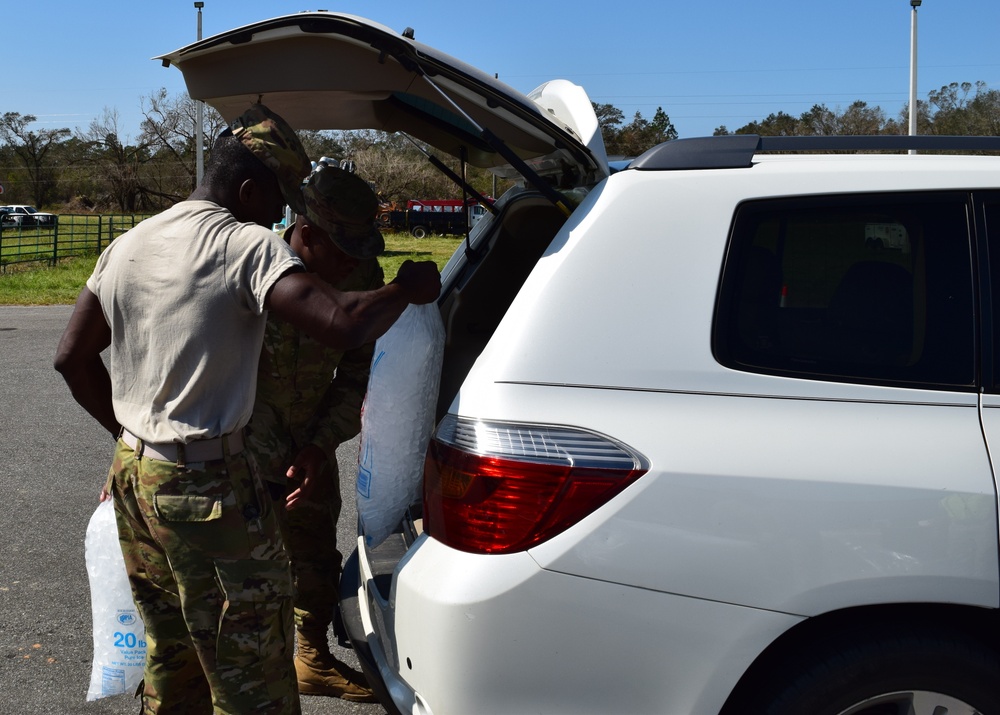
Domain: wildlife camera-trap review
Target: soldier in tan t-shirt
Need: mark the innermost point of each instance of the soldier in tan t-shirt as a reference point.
(182, 300)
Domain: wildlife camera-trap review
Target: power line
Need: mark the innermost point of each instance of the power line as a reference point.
(743, 70)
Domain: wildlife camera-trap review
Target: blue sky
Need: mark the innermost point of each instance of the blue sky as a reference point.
(707, 64)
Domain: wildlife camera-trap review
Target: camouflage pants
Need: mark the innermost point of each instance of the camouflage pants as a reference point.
(309, 532)
(212, 583)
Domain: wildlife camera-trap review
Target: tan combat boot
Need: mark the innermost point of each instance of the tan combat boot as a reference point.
(319, 673)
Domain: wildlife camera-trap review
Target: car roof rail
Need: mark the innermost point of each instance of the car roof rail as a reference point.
(735, 151)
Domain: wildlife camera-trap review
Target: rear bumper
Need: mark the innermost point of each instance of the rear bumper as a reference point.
(496, 633)
(350, 611)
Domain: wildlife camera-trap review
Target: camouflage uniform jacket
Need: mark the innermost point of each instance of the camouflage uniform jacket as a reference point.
(308, 393)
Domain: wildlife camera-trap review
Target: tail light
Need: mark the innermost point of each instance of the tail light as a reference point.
(497, 488)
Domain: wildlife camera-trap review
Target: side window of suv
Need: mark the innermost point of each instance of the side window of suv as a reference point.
(859, 288)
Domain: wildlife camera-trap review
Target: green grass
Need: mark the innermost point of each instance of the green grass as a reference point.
(42, 285)
(401, 247)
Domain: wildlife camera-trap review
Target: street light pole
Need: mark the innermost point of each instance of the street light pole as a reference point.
(200, 120)
(914, 4)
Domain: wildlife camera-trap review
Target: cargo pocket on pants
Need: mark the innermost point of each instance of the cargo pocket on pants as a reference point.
(255, 623)
(187, 507)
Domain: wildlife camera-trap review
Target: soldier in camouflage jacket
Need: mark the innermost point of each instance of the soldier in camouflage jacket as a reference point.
(308, 402)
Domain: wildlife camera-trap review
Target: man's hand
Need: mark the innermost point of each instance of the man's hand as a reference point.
(348, 320)
(421, 281)
(308, 469)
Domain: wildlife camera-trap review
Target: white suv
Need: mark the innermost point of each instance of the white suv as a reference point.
(719, 441)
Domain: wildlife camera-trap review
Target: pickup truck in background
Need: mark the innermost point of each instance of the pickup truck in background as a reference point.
(19, 215)
(421, 218)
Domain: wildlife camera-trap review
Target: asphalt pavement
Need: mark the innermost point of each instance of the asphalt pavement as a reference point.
(53, 460)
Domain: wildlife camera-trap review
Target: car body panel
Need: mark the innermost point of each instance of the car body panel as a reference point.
(906, 515)
(909, 446)
(580, 636)
(592, 251)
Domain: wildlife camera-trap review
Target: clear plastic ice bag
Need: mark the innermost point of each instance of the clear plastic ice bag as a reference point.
(397, 419)
(119, 635)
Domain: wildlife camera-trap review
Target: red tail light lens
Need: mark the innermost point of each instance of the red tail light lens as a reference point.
(497, 488)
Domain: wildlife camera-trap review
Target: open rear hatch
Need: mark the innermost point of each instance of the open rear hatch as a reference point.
(323, 70)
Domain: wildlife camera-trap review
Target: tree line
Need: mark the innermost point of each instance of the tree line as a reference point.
(99, 169)
(955, 109)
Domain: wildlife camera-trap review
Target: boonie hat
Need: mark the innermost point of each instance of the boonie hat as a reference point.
(276, 144)
(333, 196)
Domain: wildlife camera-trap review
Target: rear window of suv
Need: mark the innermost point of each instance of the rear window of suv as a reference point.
(867, 288)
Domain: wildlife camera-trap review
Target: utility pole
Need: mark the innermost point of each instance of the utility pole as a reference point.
(200, 119)
(914, 4)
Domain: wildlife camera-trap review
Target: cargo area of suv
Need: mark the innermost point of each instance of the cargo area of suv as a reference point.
(714, 432)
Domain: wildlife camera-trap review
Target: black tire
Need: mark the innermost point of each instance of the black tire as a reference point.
(890, 674)
(419, 232)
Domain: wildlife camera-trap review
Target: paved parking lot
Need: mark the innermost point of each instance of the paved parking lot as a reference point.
(53, 460)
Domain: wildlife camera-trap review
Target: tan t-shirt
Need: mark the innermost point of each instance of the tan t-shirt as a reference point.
(184, 295)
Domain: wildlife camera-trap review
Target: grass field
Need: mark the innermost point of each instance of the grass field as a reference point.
(59, 285)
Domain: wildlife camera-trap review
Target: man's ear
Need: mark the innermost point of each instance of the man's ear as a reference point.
(306, 235)
(247, 190)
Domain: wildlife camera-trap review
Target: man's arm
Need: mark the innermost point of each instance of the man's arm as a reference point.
(348, 320)
(78, 359)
